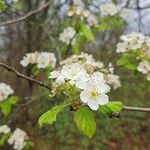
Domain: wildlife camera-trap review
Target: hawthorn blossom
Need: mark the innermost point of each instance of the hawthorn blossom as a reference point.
(67, 36)
(130, 42)
(5, 91)
(70, 73)
(113, 80)
(85, 60)
(41, 59)
(144, 67)
(94, 94)
(17, 139)
(4, 129)
(109, 9)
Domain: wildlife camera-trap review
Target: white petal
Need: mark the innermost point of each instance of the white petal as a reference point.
(103, 99)
(84, 96)
(103, 88)
(54, 74)
(60, 80)
(93, 104)
(81, 84)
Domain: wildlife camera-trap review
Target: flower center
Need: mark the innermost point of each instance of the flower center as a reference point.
(94, 94)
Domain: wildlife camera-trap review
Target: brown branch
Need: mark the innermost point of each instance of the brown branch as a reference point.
(18, 74)
(129, 108)
(26, 16)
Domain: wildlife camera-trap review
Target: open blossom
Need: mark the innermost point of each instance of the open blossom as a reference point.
(70, 73)
(113, 80)
(144, 67)
(67, 35)
(18, 139)
(94, 93)
(109, 9)
(86, 60)
(5, 91)
(130, 42)
(4, 129)
(78, 10)
(41, 59)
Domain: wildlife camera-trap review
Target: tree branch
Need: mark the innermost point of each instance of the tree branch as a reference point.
(18, 74)
(40, 83)
(27, 15)
(129, 108)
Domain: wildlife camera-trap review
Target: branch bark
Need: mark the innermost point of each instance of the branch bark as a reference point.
(27, 15)
(18, 74)
(142, 109)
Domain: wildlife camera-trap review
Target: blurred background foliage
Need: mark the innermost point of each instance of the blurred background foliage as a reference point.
(40, 32)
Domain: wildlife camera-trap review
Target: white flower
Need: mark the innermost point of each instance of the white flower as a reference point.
(45, 59)
(93, 98)
(144, 67)
(122, 47)
(113, 80)
(67, 35)
(41, 59)
(60, 79)
(17, 139)
(5, 91)
(92, 20)
(73, 71)
(4, 129)
(109, 9)
(134, 40)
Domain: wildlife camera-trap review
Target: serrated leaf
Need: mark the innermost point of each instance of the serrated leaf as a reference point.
(87, 32)
(123, 60)
(50, 116)
(111, 107)
(84, 120)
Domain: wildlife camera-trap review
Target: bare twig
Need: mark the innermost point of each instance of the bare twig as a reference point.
(129, 108)
(18, 74)
(26, 16)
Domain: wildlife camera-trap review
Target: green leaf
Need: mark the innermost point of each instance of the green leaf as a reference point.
(87, 32)
(7, 104)
(123, 60)
(84, 120)
(50, 116)
(111, 107)
(2, 5)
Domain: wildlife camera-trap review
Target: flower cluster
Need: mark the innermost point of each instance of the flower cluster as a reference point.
(4, 129)
(5, 91)
(78, 10)
(90, 65)
(109, 9)
(88, 76)
(131, 41)
(41, 59)
(18, 139)
(139, 45)
(67, 36)
(93, 87)
(85, 60)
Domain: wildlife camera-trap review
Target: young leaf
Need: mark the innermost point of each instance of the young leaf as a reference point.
(50, 116)
(7, 104)
(84, 120)
(111, 107)
(2, 5)
(87, 32)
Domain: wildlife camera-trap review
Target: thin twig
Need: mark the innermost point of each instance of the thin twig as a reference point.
(129, 108)
(18, 74)
(26, 16)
